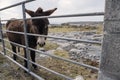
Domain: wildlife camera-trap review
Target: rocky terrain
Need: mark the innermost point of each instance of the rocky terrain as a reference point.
(81, 52)
(78, 50)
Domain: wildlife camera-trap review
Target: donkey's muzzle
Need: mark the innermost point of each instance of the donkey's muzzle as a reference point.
(41, 44)
(41, 41)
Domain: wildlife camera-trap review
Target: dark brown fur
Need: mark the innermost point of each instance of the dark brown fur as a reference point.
(36, 26)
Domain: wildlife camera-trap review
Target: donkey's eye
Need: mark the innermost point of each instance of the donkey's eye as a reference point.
(46, 27)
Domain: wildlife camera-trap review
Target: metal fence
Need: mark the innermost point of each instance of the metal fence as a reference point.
(38, 51)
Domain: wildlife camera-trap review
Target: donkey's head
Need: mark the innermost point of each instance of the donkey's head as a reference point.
(41, 24)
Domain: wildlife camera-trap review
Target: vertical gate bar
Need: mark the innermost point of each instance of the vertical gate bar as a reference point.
(1, 35)
(26, 39)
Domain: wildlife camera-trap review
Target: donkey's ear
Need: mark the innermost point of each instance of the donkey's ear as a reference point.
(49, 12)
(31, 13)
(39, 10)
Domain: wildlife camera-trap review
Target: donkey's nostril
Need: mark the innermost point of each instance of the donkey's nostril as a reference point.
(44, 43)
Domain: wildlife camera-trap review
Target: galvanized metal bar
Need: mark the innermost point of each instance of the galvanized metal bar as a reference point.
(28, 48)
(17, 4)
(33, 74)
(16, 44)
(60, 58)
(54, 72)
(68, 39)
(67, 60)
(37, 76)
(15, 62)
(25, 37)
(61, 38)
(66, 77)
(15, 54)
(14, 32)
(65, 16)
(1, 34)
(71, 15)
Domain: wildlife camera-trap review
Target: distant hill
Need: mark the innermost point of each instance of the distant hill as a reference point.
(77, 24)
(85, 23)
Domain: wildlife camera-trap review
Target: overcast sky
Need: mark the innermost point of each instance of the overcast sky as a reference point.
(64, 7)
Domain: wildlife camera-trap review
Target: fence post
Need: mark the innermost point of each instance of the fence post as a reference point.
(110, 57)
(2, 38)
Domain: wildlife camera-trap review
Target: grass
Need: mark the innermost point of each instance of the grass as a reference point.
(66, 68)
(60, 66)
(61, 53)
(13, 72)
(50, 46)
(98, 29)
(64, 29)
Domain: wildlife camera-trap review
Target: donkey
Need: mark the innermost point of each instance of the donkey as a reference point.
(34, 26)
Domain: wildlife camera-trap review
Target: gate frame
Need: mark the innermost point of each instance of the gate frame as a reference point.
(27, 48)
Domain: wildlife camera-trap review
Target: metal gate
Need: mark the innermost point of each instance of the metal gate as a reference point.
(38, 51)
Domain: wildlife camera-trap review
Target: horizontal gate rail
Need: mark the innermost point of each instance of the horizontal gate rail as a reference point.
(57, 57)
(15, 43)
(41, 52)
(15, 53)
(17, 4)
(67, 60)
(66, 77)
(33, 74)
(62, 38)
(65, 16)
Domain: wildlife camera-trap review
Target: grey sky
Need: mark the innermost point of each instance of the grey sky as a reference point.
(64, 7)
